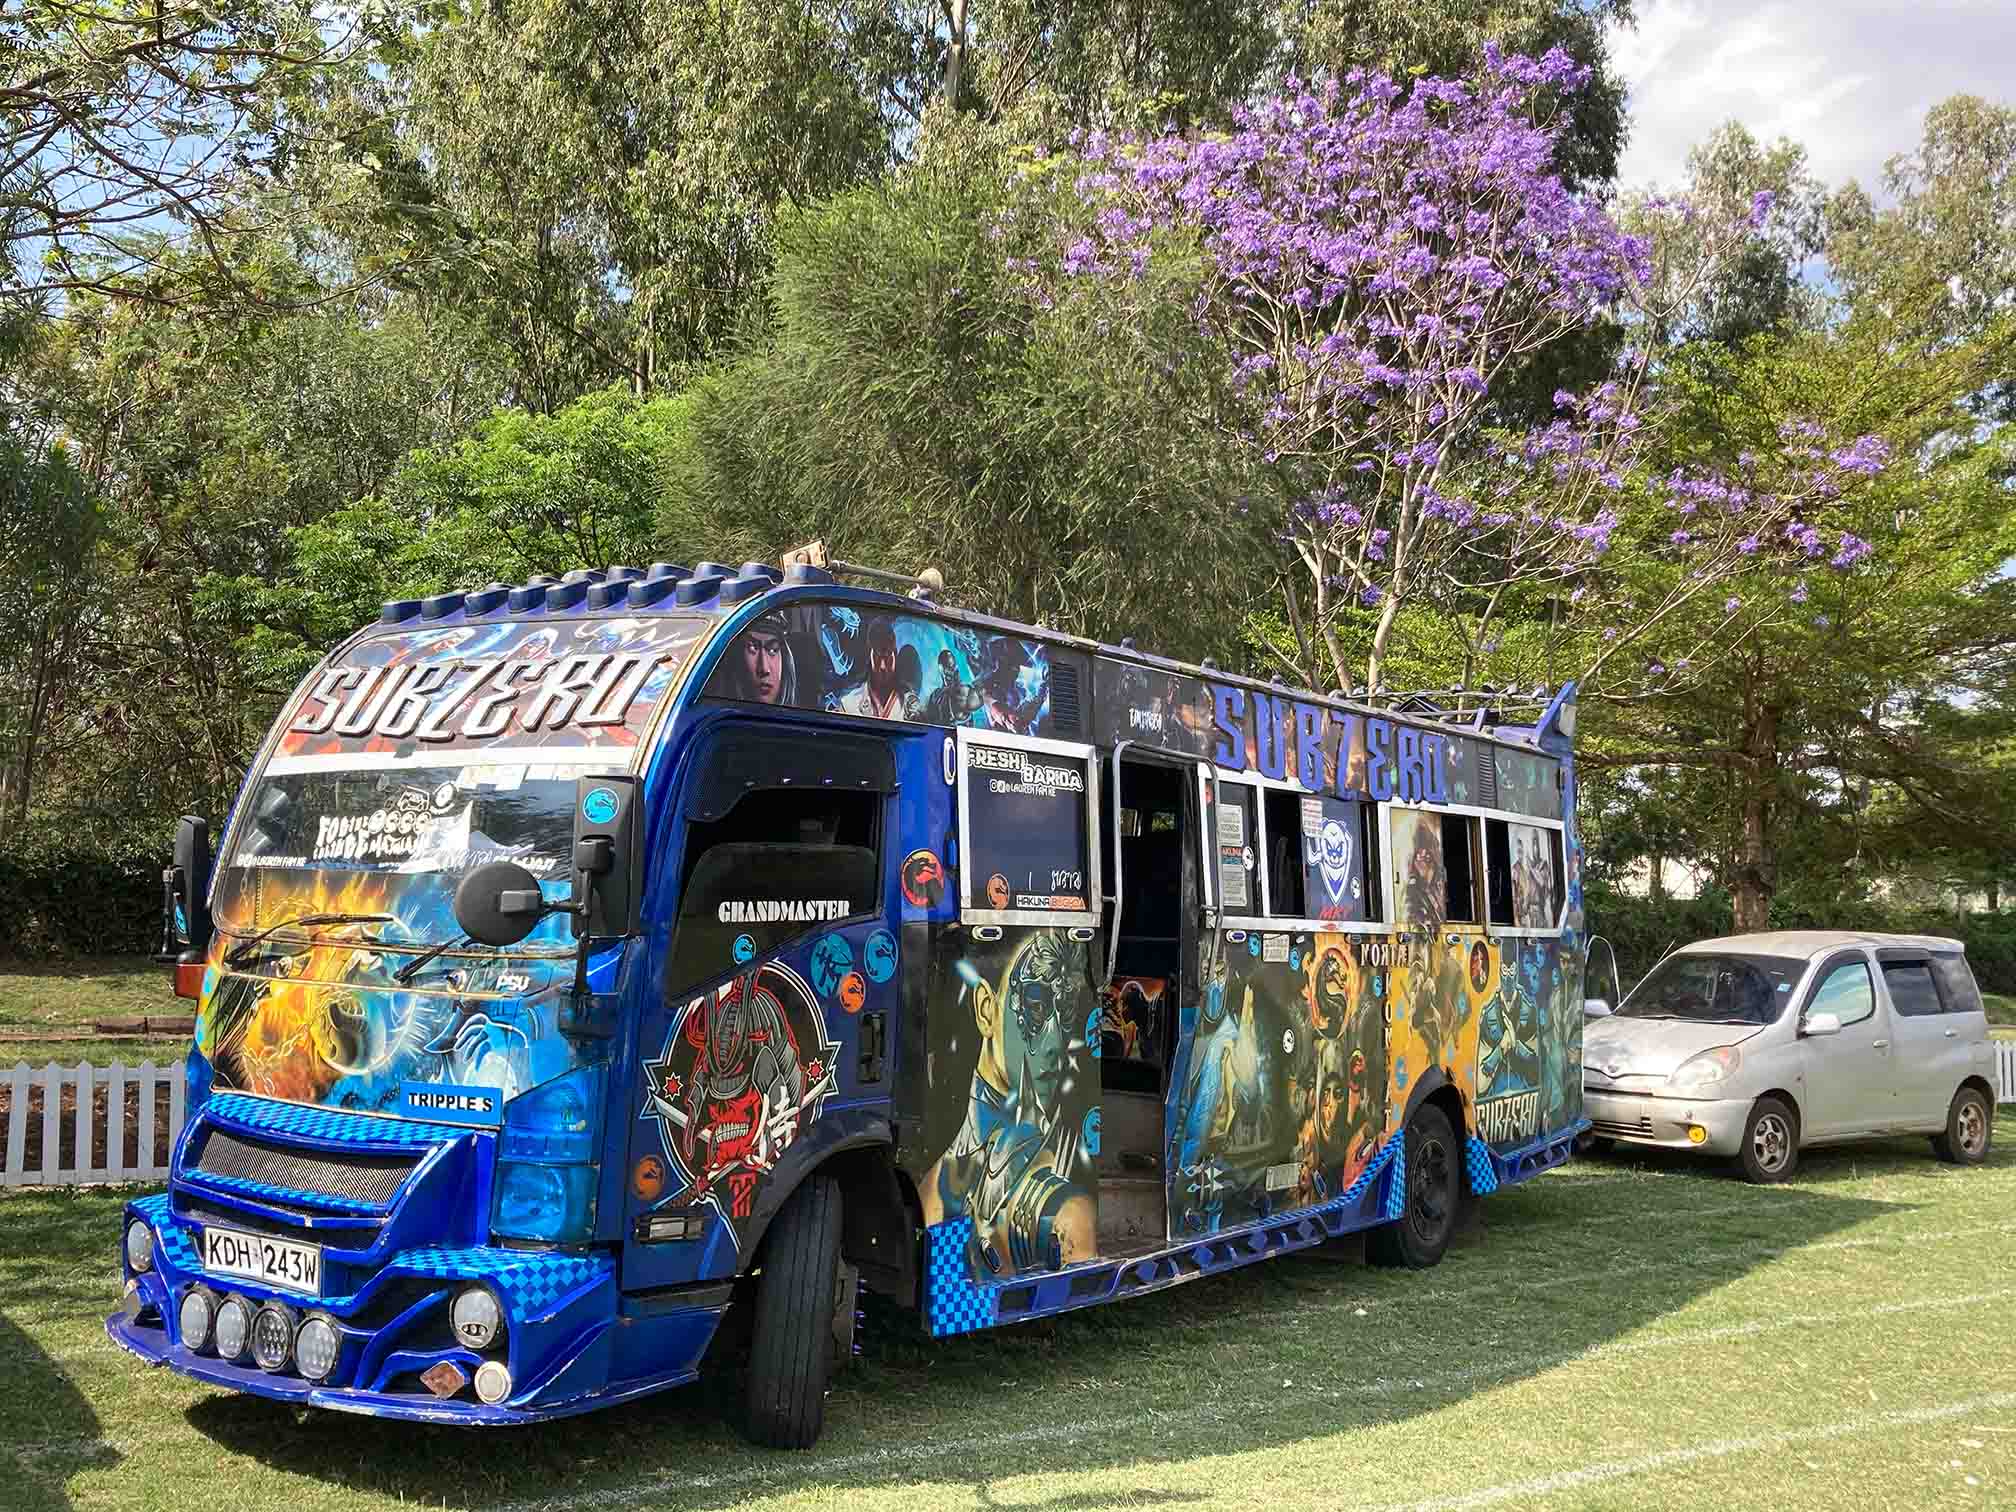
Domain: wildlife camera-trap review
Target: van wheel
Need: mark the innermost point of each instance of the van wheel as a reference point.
(1434, 1196)
(1770, 1151)
(791, 1345)
(1970, 1128)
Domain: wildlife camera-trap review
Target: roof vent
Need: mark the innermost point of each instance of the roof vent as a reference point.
(672, 570)
(441, 605)
(397, 611)
(804, 572)
(698, 589)
(531, 596)
(566, 595)
(483, 600)
(582, 575)
(712, 569)
(743, 588)
(615, 574)
(602, 595)
(541, 580)
(648, 592)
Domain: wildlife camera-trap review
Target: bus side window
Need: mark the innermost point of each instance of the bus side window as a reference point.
(780, 863)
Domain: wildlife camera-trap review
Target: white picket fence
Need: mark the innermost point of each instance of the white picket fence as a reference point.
(2005, 1070)
(98, 1117)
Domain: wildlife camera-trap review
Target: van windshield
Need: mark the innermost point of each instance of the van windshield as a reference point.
(1713, 988)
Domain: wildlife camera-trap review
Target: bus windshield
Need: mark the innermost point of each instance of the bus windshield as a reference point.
(420, 754)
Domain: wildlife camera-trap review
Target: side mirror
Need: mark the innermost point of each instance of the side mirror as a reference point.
(499, 903)
(1595, 1008)
(608, 855)
(188, 891)
(1819, 1025)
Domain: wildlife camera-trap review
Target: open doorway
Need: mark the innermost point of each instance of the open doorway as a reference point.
(1153, 952)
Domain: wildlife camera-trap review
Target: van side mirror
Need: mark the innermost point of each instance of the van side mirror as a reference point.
(1820, 1025)
(499, 903)
(608, 855)
(1595, 1008)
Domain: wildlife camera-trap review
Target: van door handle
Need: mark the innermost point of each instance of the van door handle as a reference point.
(1879, 1044)
(1952, 1034)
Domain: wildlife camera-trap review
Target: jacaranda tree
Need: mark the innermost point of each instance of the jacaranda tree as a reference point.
(1377, 261)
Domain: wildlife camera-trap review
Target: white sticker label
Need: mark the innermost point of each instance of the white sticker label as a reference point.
(1274, 947)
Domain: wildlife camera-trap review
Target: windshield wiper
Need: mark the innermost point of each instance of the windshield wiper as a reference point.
(238, 954)
(411, 969)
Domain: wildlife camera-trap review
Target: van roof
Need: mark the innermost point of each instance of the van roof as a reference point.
(1812, 942)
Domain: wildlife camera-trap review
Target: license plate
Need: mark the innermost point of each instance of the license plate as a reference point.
(277, 1262)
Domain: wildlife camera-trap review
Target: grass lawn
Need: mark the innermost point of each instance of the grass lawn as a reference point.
(66, 996)
(1618, 1334)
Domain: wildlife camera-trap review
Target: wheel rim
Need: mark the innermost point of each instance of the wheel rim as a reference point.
(1973, 1127)
(1771, 1142)
(1428, 1190)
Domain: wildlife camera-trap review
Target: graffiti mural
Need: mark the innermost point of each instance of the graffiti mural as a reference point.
(883, 665)
(743, 1069)
(1014, 1090)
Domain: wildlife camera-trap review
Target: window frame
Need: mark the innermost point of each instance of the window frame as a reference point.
(1826, 969)
(1560, 828)
(1266, 922)
(1093, 915)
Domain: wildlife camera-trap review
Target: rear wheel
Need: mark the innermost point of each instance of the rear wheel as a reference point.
(1970, 1126)
(1434, 1196)
(1770, 1151)
(791, 1342)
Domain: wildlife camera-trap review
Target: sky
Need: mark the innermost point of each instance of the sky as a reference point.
(1850, 79)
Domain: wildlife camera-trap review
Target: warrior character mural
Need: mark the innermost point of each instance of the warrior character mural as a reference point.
(1019, 1165)
(744, 1069)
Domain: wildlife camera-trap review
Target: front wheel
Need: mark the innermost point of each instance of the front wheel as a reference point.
(1434, 1194)
(1970, 1126)
(791, 1349)
(1770, 1151)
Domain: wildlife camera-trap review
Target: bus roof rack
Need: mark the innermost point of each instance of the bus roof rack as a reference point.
(923, 585)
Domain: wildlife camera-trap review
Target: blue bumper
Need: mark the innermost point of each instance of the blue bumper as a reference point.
(393, 1258)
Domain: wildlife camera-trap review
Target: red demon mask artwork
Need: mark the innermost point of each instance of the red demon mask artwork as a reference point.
(744, 1069)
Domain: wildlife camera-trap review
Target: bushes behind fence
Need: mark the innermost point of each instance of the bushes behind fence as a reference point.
(1643, 929)
(63, 900)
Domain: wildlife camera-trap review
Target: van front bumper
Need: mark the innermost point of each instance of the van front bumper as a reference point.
(1667, 1122)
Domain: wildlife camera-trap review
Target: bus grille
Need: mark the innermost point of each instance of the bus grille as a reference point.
(373, 1179)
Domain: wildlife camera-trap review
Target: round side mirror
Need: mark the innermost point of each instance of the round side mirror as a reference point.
(498, 903)
(1595, 1008)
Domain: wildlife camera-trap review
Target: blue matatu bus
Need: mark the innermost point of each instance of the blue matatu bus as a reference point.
(592, 963)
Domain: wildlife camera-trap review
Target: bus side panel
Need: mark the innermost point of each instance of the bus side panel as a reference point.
(1279, 1089)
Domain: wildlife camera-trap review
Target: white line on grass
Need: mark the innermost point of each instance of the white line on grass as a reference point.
(807, 1472)
(1712, 1449)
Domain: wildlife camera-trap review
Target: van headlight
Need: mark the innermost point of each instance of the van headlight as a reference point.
(1707, 1069)
(139, 1246)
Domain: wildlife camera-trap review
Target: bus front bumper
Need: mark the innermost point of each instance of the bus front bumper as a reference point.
(561, 1348)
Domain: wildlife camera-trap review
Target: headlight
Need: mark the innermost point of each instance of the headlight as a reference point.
(315, 1347)
(139, 1246)
(493, 1382)
(272, 1336)
(199, 1310)
(476, 1317)
(1705, 1069)
(234, 1328)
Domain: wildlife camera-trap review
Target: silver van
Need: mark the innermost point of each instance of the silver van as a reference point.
(1758, 1046)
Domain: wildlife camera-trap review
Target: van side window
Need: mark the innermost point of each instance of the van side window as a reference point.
(779, 863)
(1285, 898)
(1963, 994)
(1331, 855)
(1913, 993)
(1846, 992)
(1435, 868)
(1523, 882)
(1238, 847)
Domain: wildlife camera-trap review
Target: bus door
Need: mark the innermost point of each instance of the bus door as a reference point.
(779, 959)
(1150, 821)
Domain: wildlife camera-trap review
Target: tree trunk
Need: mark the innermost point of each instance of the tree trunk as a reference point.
(1655, 877)
(955, 49)
(1756, 871)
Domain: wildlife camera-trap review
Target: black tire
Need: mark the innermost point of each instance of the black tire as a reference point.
(1770, 1149)
(1434, 1196)
(1594, 1144)
(1970, 1129)
(791, 1344)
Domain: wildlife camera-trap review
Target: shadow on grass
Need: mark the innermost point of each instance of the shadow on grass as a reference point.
(47, 1430)
(1232, 1363)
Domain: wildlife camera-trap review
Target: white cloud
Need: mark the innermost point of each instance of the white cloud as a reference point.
(1849, 79)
